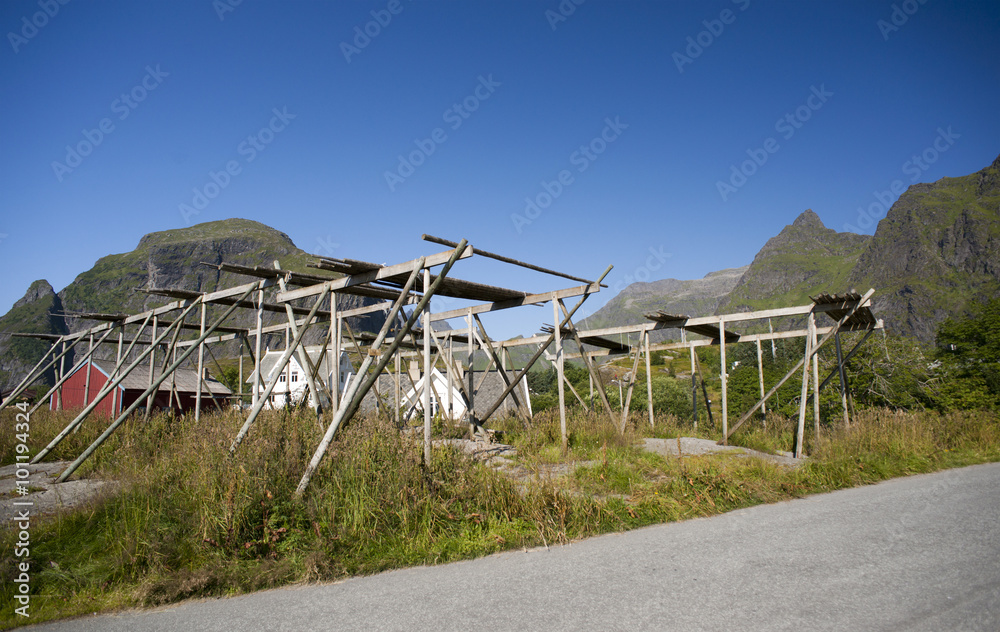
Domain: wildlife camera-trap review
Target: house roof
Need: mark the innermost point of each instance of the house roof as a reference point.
(185, 380)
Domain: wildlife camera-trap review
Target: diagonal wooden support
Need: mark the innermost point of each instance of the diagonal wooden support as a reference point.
(833, 330)
(35, 373)
(109, 386)
(75, 368)
(307, 365)
(628, 398)
(488, 344)
(358, 389)
(152, 388)
(279, 367)
(594, 373)
(541, 349)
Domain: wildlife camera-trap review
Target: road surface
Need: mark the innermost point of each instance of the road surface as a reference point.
(919, 553)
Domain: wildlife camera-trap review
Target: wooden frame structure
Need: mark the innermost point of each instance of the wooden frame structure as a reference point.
(850, 312)
(156, 335)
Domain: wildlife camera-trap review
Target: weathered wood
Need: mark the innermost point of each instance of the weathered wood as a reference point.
(724, 371)
(815, 374)
(115, 424)
(760, 378)
(426, 393)
(531, 299)
(649, 380)
(832, 330)
(278, 367)
(560, 377)
(358, 389)
(490, 255)
(109, 386)
(591, 369)
(801, 426)
(374, 275)
(843, 379)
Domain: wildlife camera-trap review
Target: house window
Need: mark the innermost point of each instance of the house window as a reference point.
(281, 378)
(295, 377)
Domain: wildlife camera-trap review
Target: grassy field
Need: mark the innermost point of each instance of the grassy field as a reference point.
(187, 520)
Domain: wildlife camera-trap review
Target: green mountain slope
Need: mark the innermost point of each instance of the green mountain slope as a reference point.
(169, 259)
(694, 297)
(804, 259)
(937, 249)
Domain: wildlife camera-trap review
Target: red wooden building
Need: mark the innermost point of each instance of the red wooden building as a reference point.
(178, 392)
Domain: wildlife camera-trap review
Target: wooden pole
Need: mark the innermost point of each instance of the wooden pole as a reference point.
(843, 380)
(335, 360)
(257, 379)
(559, 377)
(426, 393)
(279, 368)
(111, 384)
(30, 377)
(358, 389)
(201, 365)
(694, 390)
(473, 424)
(62, 366)
(90, 364)
(760, 378)
(87, 359)
(815, 372)
(724, 366)
(163, 376)
(649, 380)
(152, 362)
(801, 428)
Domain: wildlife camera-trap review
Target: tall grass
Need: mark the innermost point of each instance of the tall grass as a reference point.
(186, 519)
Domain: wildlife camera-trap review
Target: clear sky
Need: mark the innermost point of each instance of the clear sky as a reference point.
(669, 139)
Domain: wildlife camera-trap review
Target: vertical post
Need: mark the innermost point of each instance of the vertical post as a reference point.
(801, 428)
(118, 362)
(724, 366)
(694, 388)
(815, 372)
(152, 362)
(257, 379)
(472, 382)
(395, 400)
(774, 352)
(760, 377)
(90, 363)
(201, 365)
(451, 377)
(843, 379)
(334, 377)
(649, 380)
(559, 375)
(426, 394)
(62, 367)
(239, 379)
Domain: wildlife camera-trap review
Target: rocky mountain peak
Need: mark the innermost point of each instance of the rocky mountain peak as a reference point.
(808, 219)
(37, 290)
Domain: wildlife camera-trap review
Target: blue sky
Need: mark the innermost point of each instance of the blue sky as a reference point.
(669, 139)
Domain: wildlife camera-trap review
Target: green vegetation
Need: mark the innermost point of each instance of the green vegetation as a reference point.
(187, 520)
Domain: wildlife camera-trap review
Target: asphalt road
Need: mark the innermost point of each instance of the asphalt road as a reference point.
(920, 553)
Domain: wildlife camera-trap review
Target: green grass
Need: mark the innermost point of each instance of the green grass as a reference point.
(187, 520)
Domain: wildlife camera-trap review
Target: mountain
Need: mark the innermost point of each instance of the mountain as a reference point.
(169, 259)
(805, 258)
(936, 251)
(692, 297)
(33, 313)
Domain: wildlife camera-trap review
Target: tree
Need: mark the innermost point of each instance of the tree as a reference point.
(969, 352)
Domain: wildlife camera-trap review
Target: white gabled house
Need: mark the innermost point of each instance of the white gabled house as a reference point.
(291, 382)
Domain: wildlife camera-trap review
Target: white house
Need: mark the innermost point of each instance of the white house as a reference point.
(292, 381)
